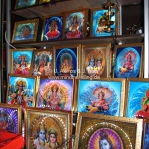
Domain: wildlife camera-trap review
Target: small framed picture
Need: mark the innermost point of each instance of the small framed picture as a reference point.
(146, 134)
(47, 128)
(96, 60)
(101, 131)
(137, 98)
(21, 60)
(11, 118)
(25, 3)
(55, 94)
(21, 90)
(98, 21)
(75, 24)
(25, 31)
(128, 61)
(53, 27)
(42, 62)
(67, 60)
(104, 96)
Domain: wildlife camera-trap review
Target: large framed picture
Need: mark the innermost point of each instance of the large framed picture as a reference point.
(67, 60)
(96, 60)
(55, 94)
(47, 128)
(25, 31)
(128, 61)
(11, 118)
(100, 132)
(21, 60)
(104, 96)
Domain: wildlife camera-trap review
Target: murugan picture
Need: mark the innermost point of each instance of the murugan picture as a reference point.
(42, 62)
(25, 3)
(128, 61)
(55, 94)
(53, 28)
(21, 91)
(10, 118)
(21, 61)
(47, 129)
(101, 97)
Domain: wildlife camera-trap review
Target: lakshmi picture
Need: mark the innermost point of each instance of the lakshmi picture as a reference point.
(21, 91)
(101, 96)
(129, 61)
(21, 61)
(137, 100)
(95, 60)
(55, 94)
(42, 62)
(66, 60)
(146, 135)
(10, 118)
(24, 3)
(53, 28)
(107, 132)
(75, 24)
(47, 129)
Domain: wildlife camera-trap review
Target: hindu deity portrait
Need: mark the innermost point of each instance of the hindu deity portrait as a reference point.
(25, 3)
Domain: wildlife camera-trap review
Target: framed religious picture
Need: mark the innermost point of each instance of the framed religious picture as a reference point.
(21, 60)
(25, 31)
(55, 93)
(98, 21)
(104, 96)
(42, 64)
(25, 3)
(67, 60)
(21, 90)
(146, 134)
(128, 61)
(101, 131)
(11, 118)
(95, 60)
(53, 27)
(48, 128)
(137, 105)
(75, 23)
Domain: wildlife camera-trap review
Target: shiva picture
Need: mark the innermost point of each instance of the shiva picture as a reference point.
(100, 97)
(25, 3)
(138, 98)
(42, 63)
(21, 91)
(98, 23)
(55, 94)
(75, 24)
(146, 136)
(66, 59)
(128, 62)
(53, 28)
(21, 61)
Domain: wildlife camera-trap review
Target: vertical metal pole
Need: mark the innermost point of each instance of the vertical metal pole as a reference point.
(120, 20)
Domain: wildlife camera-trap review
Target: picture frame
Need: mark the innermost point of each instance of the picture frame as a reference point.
(58, 123)
(42, 64)
(100, 96)
(53, 27)
(67, 60)
(25, 31)
(134, 52)
(21, 60)
(97, 19)
(11, 118)
(55, 93)
(93, 129)
(22, 90)
(96, 60)
(136, 105)
(75, 24)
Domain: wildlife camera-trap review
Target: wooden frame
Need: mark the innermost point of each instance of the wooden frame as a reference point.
(58, 123)
(123, 53)
(104, 96)
(97, 55)
(25, 31)
(11, 118)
